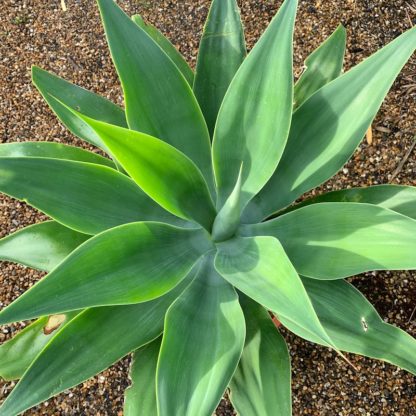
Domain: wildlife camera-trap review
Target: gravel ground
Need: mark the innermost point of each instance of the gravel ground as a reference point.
(72, 44)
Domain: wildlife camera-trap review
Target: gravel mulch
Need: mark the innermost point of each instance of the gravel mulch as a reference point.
(72, 44)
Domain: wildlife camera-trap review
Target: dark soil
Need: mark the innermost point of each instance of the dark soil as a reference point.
(72, 44)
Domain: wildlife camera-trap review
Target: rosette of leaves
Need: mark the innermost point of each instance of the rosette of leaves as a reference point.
(180, 246)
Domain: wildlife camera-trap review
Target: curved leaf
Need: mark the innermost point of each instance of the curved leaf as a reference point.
(85, 197)
(261, 384)
(128, 264)
(84, 101)
(355, 326)
(221, 51)
(158, 99)
(330, 125)
(52, 150)
(254, 119)
(163, 172)
(399, 198)
(322, 66)
(259, 267)
(194, 368)
(167, 47)
(41, 246)
(94, 340)
(18, 353)
(336, 240)
(140, 397)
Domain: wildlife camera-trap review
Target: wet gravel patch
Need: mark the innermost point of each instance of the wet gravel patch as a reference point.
(72, 44)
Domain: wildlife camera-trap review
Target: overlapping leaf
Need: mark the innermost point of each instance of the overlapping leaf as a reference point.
(128, 264)
(221, 51)
(41, 246)
(194, 368)
(261, 383)
(336, 240)
(254, 119)
(328, 127)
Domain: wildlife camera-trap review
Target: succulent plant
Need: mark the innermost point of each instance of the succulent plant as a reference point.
(182, 246)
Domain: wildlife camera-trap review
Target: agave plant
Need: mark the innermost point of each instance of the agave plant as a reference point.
(183, 244)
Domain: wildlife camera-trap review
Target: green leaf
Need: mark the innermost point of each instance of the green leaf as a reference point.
(330, 125)
(18, 353)
(167, 47)
(85, 197)
(159, 100)
(94, 340)
(259, 267)
(228, 219)
(355, 326)
(195, 367)
(128, 264)
(254, 119)
(261, 384)
(399, 198)
(163, 172)
(140, 397)
(84, 101)
(221, 51)
(322, 66)
(41, 246)
(52, 150)
(335, 240)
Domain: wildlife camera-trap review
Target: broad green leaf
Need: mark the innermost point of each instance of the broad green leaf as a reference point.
(202, 343)
(85, 197)
(322, 66)
(163, 172)
(399, 198)
(355, 326)
(167, 47)
(18, 353)
(228, 219)
(140, 397)
(254, 119)
(128, 264)
(261, 383)
(259, 267)
(334, 240)
(52, 150)
(329, 126)
(159, 100)
(84, 101)
(221, 51)
(41, 246)
(94, 340)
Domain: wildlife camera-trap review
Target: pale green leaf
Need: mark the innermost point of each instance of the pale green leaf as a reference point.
(140, 397)
(221, 51)
(329, 126)
(259, 267)
(163, 172)
(254, 119)
(159, 100)
(322, 66)
(167, 47)
(85, 197)
(261, 383)
(128, 264)
(18, 353)
(52, 150)
(202, 343)
(355, 326)
(41, 246)
(83, 100)
(333, 240)
(94, 340)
